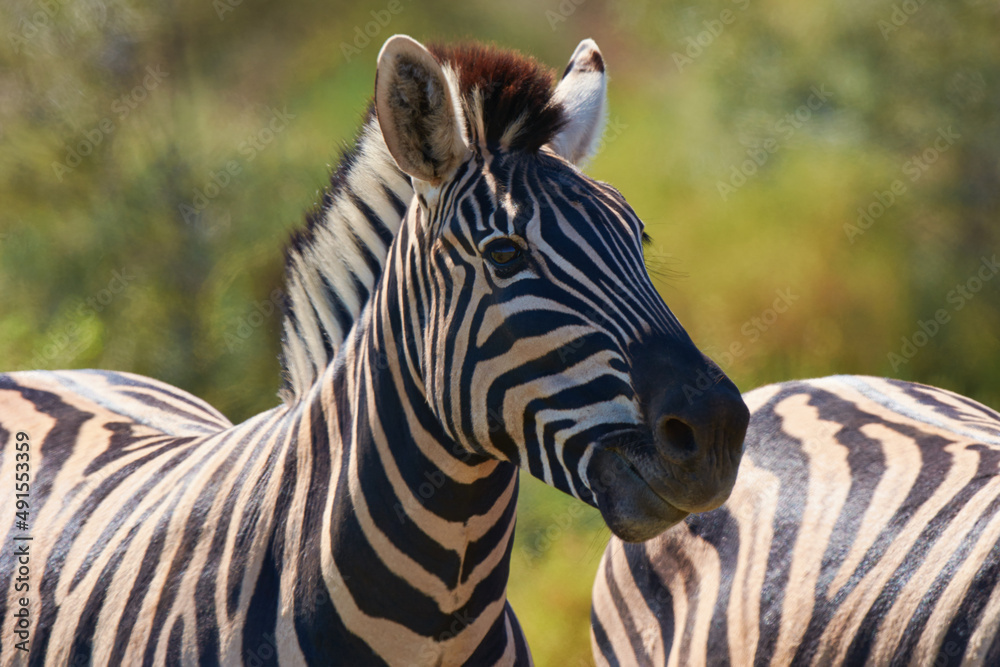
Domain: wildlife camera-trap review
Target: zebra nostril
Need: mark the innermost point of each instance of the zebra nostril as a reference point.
(675, 439)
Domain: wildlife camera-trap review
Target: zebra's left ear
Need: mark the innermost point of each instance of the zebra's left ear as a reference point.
(583, 94)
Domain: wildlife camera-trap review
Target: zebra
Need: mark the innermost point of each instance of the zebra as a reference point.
(864, 529)
(464, 303)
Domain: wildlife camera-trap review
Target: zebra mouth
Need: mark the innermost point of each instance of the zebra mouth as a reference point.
(630, 506)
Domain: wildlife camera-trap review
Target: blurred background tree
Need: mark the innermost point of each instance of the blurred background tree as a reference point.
(822, 182)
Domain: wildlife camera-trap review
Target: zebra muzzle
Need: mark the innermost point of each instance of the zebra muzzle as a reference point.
(686, 458)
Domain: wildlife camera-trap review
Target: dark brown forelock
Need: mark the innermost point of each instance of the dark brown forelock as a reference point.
(511, 84)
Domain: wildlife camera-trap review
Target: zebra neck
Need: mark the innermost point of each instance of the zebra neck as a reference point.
(332, 265)
(420, 533)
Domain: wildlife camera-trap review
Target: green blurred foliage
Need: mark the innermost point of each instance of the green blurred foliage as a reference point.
(209, 127)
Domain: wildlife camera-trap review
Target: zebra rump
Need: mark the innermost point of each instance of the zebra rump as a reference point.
(864, 529)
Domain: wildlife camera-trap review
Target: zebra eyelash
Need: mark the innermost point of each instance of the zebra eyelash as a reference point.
(647, 240)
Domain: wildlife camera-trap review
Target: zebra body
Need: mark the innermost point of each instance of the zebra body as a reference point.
(464, 303)
(864, 529)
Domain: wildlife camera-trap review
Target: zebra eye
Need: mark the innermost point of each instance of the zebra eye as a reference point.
(502, 252)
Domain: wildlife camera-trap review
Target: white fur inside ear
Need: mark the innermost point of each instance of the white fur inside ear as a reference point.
(583, 94)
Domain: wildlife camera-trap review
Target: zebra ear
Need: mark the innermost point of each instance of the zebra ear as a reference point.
(417, 111)
(583, 94)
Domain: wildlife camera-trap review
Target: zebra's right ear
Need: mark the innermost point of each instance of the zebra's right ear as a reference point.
(417, 111)
(583, 94)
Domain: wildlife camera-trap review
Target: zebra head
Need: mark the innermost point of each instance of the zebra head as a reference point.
(530, 322)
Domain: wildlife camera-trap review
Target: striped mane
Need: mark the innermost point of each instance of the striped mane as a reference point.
(333, 263)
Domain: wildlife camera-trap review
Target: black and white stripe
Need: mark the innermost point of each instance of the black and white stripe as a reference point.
(333, 263)
(864, 529)
(369, 518)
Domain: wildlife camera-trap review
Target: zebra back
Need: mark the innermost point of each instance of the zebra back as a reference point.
(864, 528)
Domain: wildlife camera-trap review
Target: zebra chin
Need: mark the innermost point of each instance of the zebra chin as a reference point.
(684, 457)
(629, 505)
(640, 493)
